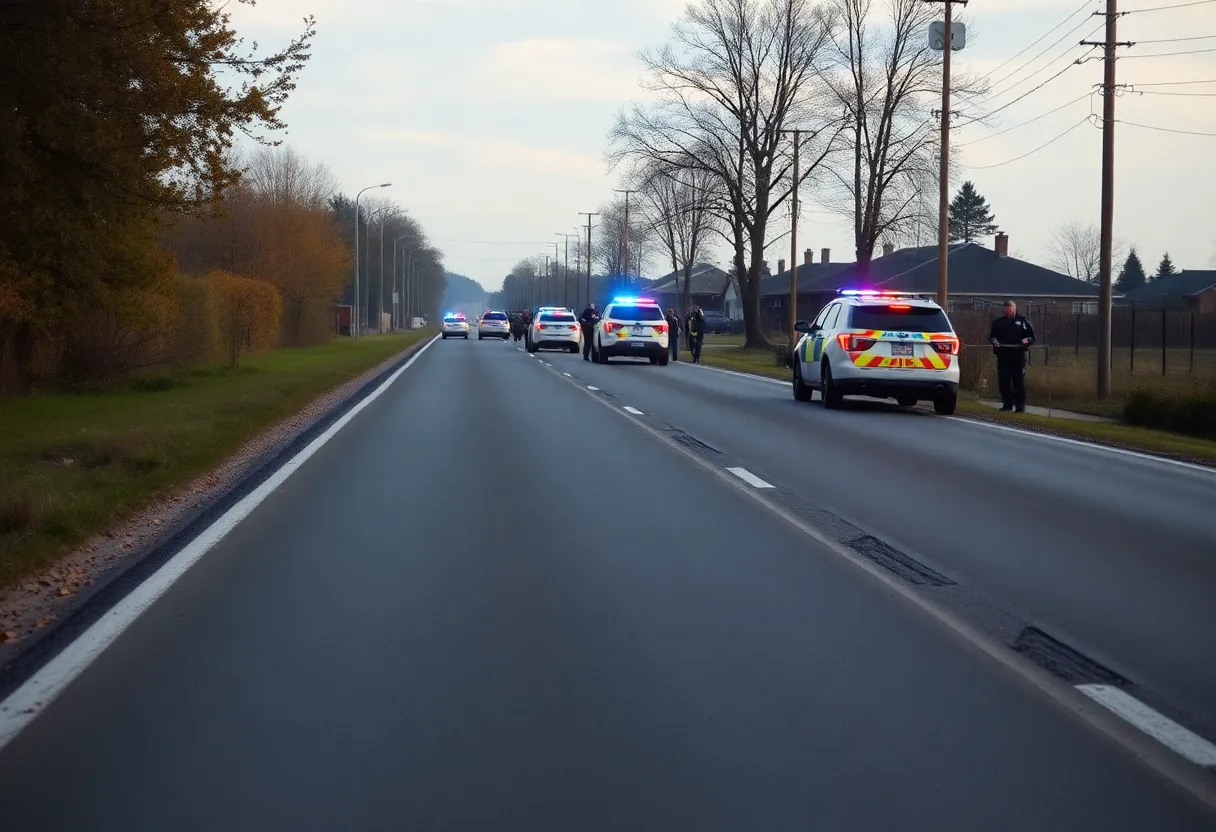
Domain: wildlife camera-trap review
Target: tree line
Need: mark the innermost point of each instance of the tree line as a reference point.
(133, 234)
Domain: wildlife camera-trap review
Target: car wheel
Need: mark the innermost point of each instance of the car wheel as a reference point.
(574, 349)
(831, 396)
(444, 336)
(802, 391)
(945, 404)
(907, 401)
(663, 359)
(532, 347)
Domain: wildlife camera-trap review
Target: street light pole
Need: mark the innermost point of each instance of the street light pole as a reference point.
(566, 274)
(625, 233)
(588, 216)
(354, 326)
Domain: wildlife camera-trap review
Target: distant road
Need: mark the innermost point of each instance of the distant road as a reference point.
(410, 634)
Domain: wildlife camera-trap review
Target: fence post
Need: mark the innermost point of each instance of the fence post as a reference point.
(1163, 342)
(1192, 367)
(1132, 366)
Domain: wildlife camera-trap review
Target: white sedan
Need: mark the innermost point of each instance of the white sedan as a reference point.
(455, 326)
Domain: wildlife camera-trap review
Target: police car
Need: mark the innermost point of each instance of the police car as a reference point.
(555, 328)
(456, 326)
(630, 326)
(494, 325)
(887, 345)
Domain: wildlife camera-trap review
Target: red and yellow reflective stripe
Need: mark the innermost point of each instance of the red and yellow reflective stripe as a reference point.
(934, 361)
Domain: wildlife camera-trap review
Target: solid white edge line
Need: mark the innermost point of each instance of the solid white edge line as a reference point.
(634, 411)
(749, 478)
(1158, 726)
(567, 375)
(1082, 443)
(28, 701)
(591, 387)
(1008, 428)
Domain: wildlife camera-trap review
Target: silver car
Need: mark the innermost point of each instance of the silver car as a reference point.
(494, 325)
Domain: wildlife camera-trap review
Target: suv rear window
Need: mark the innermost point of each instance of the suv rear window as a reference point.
(558, 317)
(913, 319)
(494, 316)
(637, 313)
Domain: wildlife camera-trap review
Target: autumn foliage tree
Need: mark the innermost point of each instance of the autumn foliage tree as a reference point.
(112, 115)
(248, 313)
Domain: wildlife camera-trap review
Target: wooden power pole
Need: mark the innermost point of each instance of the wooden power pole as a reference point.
(943, 174)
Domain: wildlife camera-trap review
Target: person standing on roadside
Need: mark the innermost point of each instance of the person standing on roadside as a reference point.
(1011, 336)
(673, 331)
(588, 319)
(696, 333)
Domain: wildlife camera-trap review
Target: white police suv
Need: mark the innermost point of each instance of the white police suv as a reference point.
(555, 328)
(455, 326)
(634, 327)
(887, 345)
(493, 325)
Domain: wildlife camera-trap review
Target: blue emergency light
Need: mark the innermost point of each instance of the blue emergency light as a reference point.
(632, 300)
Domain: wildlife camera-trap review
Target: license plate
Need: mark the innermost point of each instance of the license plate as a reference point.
(637, 344)
(902, 349)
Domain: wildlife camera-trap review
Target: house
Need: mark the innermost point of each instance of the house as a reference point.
(979, 277)
(707, 281)
(1191, 290)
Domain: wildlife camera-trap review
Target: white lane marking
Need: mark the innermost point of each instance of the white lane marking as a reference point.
(634, 411)
(736, 373)
(1158, 726)
(590, 387)
(749, 478)
(1082, 443)
(567, 375)
(28, 701)
(1197, 782)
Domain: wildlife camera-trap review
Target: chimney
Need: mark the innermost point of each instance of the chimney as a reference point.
(888, 249)
(824, 254)
(1002, 244)
(781, 266)
(809, 256)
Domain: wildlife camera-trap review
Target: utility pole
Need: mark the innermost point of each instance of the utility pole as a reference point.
(1105, 266)
(943, 173)
(794, 239)
(589, 258)
(547, 280)
(566, 274)
(625, 232)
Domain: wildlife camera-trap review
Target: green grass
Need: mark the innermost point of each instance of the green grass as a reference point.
(74, 464)
(761, 362)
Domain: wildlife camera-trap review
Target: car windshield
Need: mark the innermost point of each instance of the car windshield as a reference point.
(637, 313)
(558, 317)
(900, 317)
(494, 316)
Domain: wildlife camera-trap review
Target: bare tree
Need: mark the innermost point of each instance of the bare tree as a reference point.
(609, 244)
(1076, 250)
(677, 205)
(738, 73)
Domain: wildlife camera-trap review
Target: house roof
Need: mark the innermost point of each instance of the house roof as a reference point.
(1187, 283)
(706, 279)
(974, 270)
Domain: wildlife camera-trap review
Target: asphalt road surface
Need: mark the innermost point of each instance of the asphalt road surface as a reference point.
(492, 602)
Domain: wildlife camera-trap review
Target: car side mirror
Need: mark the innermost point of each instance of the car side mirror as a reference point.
(803, 327)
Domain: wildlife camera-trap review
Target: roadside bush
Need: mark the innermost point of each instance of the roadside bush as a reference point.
(194, 339)
(1189, 412)
(249, 313)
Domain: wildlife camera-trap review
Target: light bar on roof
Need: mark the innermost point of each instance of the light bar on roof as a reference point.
(878, 293)
(633, 300)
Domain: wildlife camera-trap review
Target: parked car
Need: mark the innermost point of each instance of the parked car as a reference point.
(717, 323)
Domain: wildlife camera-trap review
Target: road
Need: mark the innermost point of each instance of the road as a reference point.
(436, 623)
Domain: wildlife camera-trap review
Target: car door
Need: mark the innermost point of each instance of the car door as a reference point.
(813, 351)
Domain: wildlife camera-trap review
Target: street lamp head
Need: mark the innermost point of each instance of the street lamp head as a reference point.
(387, 185)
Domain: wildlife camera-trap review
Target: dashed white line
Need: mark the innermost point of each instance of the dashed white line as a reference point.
(590, 387)
(749, 478)
(1158, 726)
(567, 375)
(634, 411)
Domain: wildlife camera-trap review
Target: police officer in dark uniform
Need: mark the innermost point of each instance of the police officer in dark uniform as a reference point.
(588, 319)
(1011, 336)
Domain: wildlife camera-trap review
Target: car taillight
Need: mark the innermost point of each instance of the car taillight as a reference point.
(854, 343)
(948, 345)
(611, 327)
(540, 326)
(661, 329)
(572, 326)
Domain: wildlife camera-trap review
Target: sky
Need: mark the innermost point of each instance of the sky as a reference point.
(490, 118)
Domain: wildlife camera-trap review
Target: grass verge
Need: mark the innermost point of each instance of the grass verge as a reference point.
(761, 362)
(75, 464)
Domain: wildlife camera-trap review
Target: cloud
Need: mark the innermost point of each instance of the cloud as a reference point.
(496, 153)
(558, 69)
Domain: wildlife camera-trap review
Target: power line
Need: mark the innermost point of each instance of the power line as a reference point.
(1169, 54)
(1041, 54)
(1166, 129)
(1173, 83)
(1020, 97)
(1028, 121)
(1172, 6)
(1176, 40)
(1182, 94)
(1041, 38)
(1032, 152)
